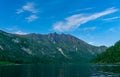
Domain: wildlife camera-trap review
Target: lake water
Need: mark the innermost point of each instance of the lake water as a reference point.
(60, 70)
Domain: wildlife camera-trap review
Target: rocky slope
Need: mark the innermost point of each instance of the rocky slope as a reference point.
(45, 48)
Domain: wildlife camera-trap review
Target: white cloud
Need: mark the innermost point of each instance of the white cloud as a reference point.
(89, 29)
(112, 18)
(12, 28)
(29, 7)
(78, 10)
(91, 43)
(77, 20)
(112, 30)
(31, 18)
(19, 11)
(20, 33)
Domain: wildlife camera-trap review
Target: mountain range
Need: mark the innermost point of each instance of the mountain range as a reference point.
(45, 48)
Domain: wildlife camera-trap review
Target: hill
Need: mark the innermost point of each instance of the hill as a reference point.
(111, 55)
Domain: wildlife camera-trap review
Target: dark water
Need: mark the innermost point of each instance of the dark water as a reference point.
(60, 70)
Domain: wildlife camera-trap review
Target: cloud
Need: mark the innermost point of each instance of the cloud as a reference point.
(20, 33)
(19, 11)
(15, 30)
(89, 29)
(12, 28)
(112, 18)
(112, 30)
(78, 10)
(29, 7)
(31, 18)
(91, 43)
(77, 20)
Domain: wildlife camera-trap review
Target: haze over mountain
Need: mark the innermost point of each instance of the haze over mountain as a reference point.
(51, 47)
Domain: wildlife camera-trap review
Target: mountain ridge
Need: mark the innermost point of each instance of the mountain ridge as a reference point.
(51, 47)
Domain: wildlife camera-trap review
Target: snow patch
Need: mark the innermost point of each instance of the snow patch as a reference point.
(1, 47)
(61, 51)
(54, 42)
(76, 49)
(91, 52)
(27, 50)
(15, 40)
(52, 39)
(43, 52)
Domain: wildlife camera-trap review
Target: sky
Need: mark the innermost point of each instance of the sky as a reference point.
(96, 22)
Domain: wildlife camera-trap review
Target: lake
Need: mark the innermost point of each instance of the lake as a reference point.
(60, 70)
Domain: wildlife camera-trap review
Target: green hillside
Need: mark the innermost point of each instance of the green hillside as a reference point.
(111, 55)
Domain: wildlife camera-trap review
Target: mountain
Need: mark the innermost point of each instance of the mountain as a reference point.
(45, 48)
(111, 55)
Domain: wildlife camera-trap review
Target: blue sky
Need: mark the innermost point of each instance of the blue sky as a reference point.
(95, 21)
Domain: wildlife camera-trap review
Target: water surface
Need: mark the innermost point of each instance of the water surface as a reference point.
(60, 70)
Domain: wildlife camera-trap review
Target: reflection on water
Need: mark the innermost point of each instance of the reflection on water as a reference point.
(106, 71)
(60, 70)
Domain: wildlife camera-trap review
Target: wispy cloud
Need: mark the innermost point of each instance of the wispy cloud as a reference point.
(78, 10)
(89, 29)
(112, 18)
(12, 28)
(29, 7)
(77, 20)
(31, 18)
(20, 33)
(15, 30)
(19, 11)
(112, 29)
